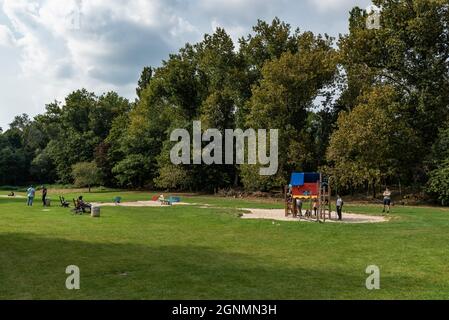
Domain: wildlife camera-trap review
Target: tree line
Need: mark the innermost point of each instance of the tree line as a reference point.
(368, 108)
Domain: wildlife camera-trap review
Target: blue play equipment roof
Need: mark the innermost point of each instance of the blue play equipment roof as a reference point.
(298, 179)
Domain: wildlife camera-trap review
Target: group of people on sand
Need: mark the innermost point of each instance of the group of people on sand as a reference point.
(31, 193)
(315, 205)
(340, 203)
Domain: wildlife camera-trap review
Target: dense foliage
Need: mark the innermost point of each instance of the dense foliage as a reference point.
(370, 109)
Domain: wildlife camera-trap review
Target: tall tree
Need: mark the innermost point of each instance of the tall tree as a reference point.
(286, 93)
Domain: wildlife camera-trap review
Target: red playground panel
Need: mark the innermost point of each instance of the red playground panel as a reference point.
(307, 190)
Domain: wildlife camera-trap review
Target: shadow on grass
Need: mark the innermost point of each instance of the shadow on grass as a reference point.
(11, 200)
(33, 267)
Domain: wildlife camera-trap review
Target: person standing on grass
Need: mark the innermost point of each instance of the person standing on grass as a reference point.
(44, 196)
(387, 200)
(339, 205)
(31, 192)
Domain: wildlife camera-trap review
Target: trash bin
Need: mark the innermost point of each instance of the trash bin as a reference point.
(95, 212)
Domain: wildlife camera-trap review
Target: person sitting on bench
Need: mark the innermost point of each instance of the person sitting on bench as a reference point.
(83, 205)
(12, 194)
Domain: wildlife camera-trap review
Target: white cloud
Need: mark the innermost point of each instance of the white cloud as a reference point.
(329, 5)
(105, 51)
(6, 37)
(51, 47)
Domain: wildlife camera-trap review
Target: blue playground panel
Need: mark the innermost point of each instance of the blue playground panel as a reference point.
(298, 179)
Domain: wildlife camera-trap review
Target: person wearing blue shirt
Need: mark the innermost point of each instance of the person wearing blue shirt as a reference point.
(31, 192)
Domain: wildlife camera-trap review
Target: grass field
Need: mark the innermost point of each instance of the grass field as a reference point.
(189, 252)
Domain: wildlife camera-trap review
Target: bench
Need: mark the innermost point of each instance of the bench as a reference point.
(64, 203)
(174, 199)
(166, 202)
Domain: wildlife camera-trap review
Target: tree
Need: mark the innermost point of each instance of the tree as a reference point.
(285, 96)
(370, 144)
(410, 53)
(131, 171)
(86, 174)
(144, 81)
(439, 183)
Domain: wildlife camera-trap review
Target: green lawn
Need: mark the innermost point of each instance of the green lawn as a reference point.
(196, 253)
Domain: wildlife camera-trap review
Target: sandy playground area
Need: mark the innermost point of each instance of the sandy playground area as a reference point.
(267, 214)
(13, 197)
(138, 204)
(279, 215)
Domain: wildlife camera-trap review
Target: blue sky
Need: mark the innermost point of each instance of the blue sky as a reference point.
(49, 48)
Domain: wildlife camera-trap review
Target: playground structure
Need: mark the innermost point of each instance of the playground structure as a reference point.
(312, 188)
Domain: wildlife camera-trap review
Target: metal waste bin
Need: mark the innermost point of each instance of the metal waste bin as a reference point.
(95, 212)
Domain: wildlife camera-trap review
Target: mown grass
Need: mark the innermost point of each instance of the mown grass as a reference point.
(194, 252)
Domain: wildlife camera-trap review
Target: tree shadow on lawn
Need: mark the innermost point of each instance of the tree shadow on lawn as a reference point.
(33, 267)
(7, 201)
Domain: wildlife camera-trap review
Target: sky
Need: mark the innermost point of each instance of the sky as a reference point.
(49, 48)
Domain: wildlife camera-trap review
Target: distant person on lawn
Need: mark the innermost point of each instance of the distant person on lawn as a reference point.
(340, 204)
(31, 192)
(387, 200)
(44, 196)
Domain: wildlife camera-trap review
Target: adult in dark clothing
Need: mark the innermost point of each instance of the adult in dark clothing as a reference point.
(44, 196)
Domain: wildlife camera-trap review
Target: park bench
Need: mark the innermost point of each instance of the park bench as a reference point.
(166, 202)
(174, 199)
(64, 203)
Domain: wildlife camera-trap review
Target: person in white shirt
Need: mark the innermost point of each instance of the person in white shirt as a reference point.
(387, 200)
(340, 204)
